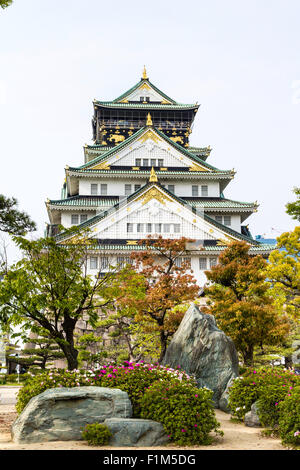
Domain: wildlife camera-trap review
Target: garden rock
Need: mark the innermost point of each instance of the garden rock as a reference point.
(202, 350)
(296, 352)
(59, 414)
(224, 400)
(136, 433)
(251, 418)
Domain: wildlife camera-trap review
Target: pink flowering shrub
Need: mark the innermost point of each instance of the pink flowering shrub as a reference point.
(133, 378)
(185, 411)
(136, 378)
(268, 386)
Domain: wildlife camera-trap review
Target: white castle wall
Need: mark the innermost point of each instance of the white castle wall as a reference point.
(117, 187)
(106, 259)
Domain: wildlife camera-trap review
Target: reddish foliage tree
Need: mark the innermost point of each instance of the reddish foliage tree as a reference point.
(165, 267)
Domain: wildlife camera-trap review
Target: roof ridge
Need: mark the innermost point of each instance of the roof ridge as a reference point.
(134, 87)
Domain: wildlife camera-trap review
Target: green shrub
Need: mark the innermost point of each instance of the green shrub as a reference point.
(268, 386)
(16, 378)
(270, 396)
(242, 394)
(185, 411)
(96, 434)
(289, 418)
(2, 379)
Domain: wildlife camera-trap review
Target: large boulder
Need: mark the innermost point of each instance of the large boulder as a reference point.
(202, 350)
(136, 432)
(59, 414)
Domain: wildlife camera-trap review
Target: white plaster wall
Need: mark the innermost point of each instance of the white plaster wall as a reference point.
(114, 187)
(66, 216)
(183, 188)
(150, 150)
(144, 91)
(154, 214)
(117, 187)
(112, 259)
(235, 219)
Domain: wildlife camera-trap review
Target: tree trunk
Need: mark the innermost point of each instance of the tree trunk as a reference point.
(163, 346)
(71, 355)
(70, 352)
(248, 356)
(288, 362)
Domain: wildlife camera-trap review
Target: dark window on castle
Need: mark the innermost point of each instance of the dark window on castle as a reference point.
(195, 191)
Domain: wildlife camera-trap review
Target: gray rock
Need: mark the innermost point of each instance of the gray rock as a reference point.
(296, 353)
(136, 433)
(223, 402)
(202, 350)
(251, 418)
(59, 414)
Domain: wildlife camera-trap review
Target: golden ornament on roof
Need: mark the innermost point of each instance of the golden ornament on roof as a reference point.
(153, 176)
(149, 120)
(145, 74)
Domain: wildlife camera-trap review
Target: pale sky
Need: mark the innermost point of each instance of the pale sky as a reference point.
(240, 59)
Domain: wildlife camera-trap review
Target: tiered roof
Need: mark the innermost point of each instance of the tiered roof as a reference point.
(97, 162)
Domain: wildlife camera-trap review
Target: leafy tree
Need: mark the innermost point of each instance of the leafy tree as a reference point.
(50, 289)
(12, 220)
(293, 208)
(5, 3)
(283, 271)
(167, 284)
(241, 302)
(123, 331)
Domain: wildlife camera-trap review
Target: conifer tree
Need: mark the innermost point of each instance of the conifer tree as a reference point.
(12, 220)
(41, 354)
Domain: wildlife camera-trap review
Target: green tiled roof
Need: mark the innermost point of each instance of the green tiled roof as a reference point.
(220, 203)
(79, 201)
(255, 250)
(99, 147)
(98, 201)
(148, 106)
(146, 173)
